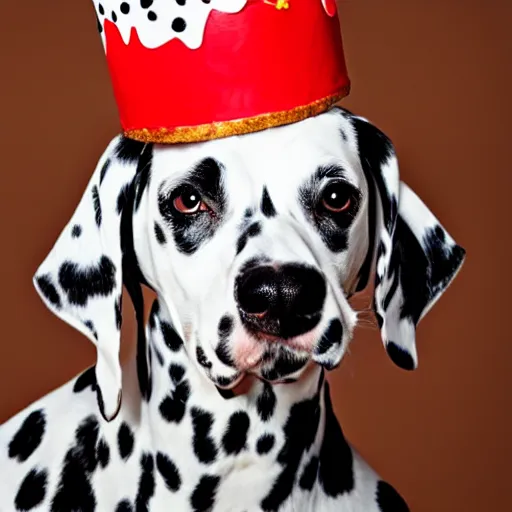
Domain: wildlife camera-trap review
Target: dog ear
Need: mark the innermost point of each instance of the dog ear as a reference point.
(80, 280)
(416, 259)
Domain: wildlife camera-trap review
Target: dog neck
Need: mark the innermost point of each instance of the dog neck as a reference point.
(282, 437)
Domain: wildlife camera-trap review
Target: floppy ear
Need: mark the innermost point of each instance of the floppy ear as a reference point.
(416, 259)
(80, 280)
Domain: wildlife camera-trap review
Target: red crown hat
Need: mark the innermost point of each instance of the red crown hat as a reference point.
(193, 70)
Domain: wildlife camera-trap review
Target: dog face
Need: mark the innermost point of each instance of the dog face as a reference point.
(253, 244)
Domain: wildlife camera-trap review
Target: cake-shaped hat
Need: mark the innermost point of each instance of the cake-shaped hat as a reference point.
(193, 70)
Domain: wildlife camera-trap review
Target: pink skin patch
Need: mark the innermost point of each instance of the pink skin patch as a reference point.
(248, 351)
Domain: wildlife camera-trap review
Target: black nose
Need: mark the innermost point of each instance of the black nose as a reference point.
(283, 302)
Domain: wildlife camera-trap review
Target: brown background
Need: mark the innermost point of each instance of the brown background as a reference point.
(436, 77)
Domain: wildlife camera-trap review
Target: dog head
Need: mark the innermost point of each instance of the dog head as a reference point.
(254, 245)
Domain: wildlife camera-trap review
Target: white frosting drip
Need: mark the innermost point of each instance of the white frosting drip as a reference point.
(159, 21)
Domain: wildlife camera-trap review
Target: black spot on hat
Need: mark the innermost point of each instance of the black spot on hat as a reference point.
(125, 441)
(266, 402)
(265, 443)
(146, 4)
(74, 491)
(125, 7)
(152, 16)
(48, 290)
(114, 16)
(85, 379)
(178, 25)
(101, 9)
(32, 490)
(267, 206)
(146, 483)
(335, 472)
(235, 436)
(28, 437)
(389, 500)
(83, 282)
(169, 472)
(172, 408)
(203, 497)
(204, 445)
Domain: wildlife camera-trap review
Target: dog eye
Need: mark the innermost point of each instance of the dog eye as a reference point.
(188, 200)
(336, 197)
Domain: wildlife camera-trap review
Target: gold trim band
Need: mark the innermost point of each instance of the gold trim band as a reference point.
(217, 130)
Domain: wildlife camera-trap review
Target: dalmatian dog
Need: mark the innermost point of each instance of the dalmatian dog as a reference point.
(253, 246)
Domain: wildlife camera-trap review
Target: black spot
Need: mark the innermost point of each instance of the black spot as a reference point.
(28, 437)
(105, 167)
(389, 500)
(160, 235)
(224, 382)
(101, 9)
(129, 150)
(190, 231)
(125, 8)
(49, 291)
(267, 207)
(124, 506)
(146, 4)
(90, 326)
(253, 230)
(176, 372)
(222, 351)
(171, 338)
(265, 443)
(283, 365)
(99, 25)
(235, 437)
(80, 284)
(172, 407)
(299, 433)
(75, 491)
(202, 359)
(203, 497)
(308, 478)
(32, 490)
(122, 198)
(118, 312)
(178, 25)
(146, 483)
(204, 445)
(125, 441)
(142, 178)
(335, 472)
(86, 379)
(400, 356)
(152, 16)
(76, 231)
(227, 394)
(114, 16)
(169, 471)
(181, 2)
(103, 453)
(159, 356)
(266, 402)
(332, 336)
